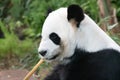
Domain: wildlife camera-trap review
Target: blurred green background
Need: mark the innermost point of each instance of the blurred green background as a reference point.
(21, 22)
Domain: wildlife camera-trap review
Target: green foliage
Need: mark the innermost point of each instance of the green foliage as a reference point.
(115, 38)
(38, 10)
(116, 4)
(17, 9)
(30, 59)
(12, 45)
(33, 13)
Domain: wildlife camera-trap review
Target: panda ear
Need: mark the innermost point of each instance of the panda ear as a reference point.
(49, 11)
(76, 14)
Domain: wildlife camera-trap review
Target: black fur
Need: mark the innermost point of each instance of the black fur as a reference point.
(49, 11)
(1, 33)
(75, 12)
(101, 65)
(55, 38)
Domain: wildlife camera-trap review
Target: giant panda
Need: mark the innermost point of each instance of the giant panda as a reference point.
(83, 50)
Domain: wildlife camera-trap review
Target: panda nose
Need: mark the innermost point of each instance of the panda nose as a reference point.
(43, 52)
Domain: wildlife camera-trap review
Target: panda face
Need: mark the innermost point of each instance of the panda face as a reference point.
(50, 46)
(59, 35)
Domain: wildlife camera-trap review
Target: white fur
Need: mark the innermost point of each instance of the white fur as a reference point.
(88, 36)
(91, 38)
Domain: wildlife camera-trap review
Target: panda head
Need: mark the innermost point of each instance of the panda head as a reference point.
(58, 33)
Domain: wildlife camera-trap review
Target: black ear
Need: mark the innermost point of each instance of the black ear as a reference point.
(75, 12)
(49, 11)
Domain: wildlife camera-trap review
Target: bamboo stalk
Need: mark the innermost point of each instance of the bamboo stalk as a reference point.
(27, 77)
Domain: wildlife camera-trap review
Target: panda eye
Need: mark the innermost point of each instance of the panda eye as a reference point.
(55, 38)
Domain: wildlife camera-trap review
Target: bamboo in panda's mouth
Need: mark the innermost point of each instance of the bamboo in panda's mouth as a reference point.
(27, 77)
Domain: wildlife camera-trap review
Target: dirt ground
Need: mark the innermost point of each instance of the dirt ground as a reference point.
(10, 70)
(14, 75)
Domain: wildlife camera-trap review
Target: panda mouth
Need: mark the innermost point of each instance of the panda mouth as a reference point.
(54, 57)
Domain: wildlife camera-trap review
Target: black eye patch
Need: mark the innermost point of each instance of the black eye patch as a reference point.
(55, 38)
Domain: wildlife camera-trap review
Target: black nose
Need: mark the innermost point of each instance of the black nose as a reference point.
(42, 52)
